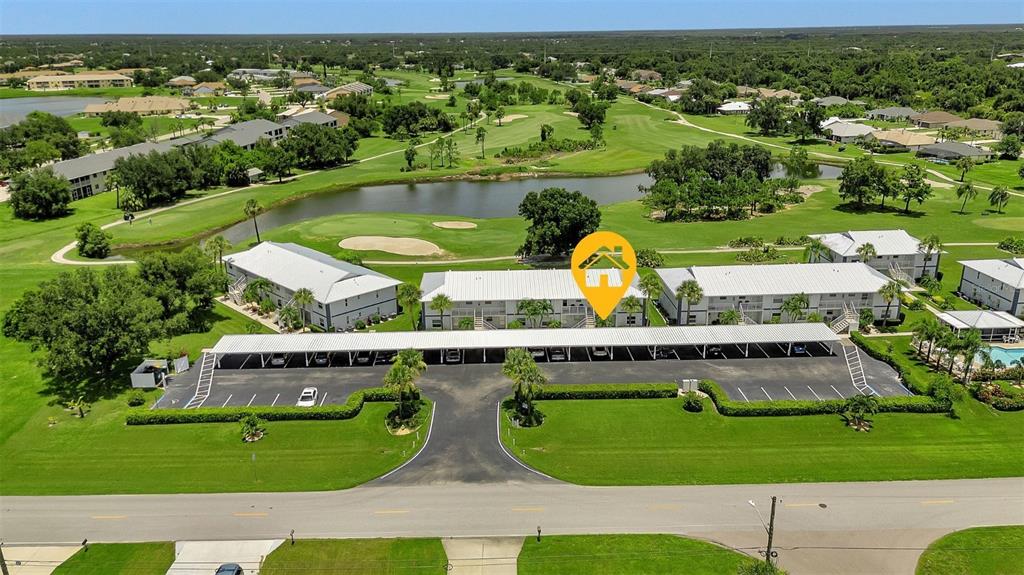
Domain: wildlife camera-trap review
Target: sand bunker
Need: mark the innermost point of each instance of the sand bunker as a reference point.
(807, 190)
(400, 246)
(436, 96)
(512, 117)
(573, 114)
(455, 225)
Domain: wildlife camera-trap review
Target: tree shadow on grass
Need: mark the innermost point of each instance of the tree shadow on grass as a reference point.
(857, 209)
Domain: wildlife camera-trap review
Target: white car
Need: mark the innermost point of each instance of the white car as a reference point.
(307, 398)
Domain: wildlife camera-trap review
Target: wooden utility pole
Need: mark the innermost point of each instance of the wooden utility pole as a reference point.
(3, 562)
(771, 532)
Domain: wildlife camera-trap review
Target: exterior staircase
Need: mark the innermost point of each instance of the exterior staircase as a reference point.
(206, 366)
(897, 273)
(479, 323)
(236, 289)
(856, 368)
(846, 322)
(744, 318)
(589, 321)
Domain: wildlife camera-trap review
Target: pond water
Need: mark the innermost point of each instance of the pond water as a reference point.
(472, 199)
(13, 110)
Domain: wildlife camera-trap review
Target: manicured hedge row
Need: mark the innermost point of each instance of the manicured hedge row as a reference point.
(726, 406)
(610, 391)
(882, 356)
(1008, 403)
(351, 408)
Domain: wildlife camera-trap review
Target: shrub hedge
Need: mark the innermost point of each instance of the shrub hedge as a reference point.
(917, 387)
(1009, 403)
(609, 391)
(726, 406)
(351, 408)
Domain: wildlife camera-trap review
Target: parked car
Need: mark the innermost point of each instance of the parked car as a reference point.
(660, 352)
(278, 360)
(538, 353)
(599, 352)
(715, 351)
(320, 358)
(364, 357)
(230, 569)
(386, 356)
(799, 348)
(307, 398)
(557, 354)
(452, 356)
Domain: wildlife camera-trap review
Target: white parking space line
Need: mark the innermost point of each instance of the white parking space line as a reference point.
(278, 396)
(766, 393)
(789, 392)
(323, 399)
(252, 399)
(815, 393)
(837, 391)
(743, 394)
(227, 400)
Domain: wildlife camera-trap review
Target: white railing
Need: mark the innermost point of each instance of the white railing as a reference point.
(206, 366)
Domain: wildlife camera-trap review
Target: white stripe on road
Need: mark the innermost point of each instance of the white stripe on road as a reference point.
(837, 391)
(251, 400)
(323, 399)
(278, 396)
(227, 400)
(815, 394)
(743, 394)
(766, 393)
(789, 392)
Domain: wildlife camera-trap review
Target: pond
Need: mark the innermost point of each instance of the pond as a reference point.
(468, 198)
(13, 110)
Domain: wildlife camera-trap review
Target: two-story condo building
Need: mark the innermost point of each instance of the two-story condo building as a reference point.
(491, 298)
(758, 292)
(897, 253)
(998, 284)
(343, 293)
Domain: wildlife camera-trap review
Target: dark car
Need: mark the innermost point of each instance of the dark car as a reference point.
(557, 354)
(538, 353)
(230, 569)
(452, 356)
(320, 358)
(363, 357)
(799, 348)
(278, 360)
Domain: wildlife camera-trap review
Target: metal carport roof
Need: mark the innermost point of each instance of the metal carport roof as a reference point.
(508, 338)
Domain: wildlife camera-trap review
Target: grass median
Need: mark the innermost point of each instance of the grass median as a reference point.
(978, 551)
(357, 557)
(119, 559)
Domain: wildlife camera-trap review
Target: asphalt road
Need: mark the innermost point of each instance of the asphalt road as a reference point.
(821, 528)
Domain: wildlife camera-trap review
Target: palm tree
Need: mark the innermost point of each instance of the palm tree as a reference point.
(451, 149)
(534, 310)
(253, 209)
(499, 114)
(999, 197)
(814, 249)
(289, 316)
(632, 305)
(303, 297)
(795, 305)
(215, 248)
(413, 359)
(527, 381)
(964, 165)
(925, 330)
(930, 244)
(729, 317)
(814, 317)
(257, 289)
(1018, 367)
(867, 252)
(409, 296)
(858, 408)
(970, 344)
(651, 286)
(890, 291)
(481, 138)
(441, 303)
(690, 292)
(401, 379)
(967, 192)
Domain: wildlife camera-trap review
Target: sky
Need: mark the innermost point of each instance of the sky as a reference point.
(352, 16)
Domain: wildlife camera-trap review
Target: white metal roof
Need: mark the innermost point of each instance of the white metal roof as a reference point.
(886, 242)
(293, 267)
(1009, 271)
(734, 107)
(509, 338)
(777, 279)
(980, 319)
(514, 285)
(848, 130)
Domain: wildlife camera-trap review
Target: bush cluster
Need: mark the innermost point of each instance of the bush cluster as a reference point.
(726, 406)
(351, 408)
(1013, 245)
(693, 402)
(747, 242)
(609, 391)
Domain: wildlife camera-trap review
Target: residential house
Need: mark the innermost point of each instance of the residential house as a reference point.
(835, 101)
(88, 174)
(730, 108)
(247, 134)
(646, 75)
(143, 105)
(746, 91)
(356, 88)
(980, 126)
(310, 117)
(343, 293)
(208, 89)
(758, 292)
(342, 118)
(181, 82)
(779, 94)
(84, 80)
(952, 150)
(934, 119)
(847, 132)
(491, 298)
(897, 253)
(998, 284)
(892, 113)
(902, 139)
(316, 89)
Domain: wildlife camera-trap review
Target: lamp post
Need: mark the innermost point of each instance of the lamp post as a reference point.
(769, 528)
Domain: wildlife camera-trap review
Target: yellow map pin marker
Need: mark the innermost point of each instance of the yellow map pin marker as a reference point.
(603, 265)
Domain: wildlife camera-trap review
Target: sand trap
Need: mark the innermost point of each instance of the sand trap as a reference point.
(436, 96)
(455, 225)
(400, 246)
(573, 114)
(512, 118)
(807, 191)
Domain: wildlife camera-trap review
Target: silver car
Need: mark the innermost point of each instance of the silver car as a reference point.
(307, 398)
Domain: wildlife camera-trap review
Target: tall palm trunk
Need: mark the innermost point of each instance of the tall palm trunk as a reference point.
(257, 226)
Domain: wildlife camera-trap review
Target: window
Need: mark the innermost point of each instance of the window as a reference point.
(435, 323)
(631, 319)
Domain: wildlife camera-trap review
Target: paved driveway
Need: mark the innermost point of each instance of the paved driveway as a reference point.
(203, 557)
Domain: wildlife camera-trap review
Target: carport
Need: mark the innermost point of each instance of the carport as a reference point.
(703, 339)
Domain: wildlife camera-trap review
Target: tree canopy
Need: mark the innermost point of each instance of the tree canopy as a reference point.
(559, 219)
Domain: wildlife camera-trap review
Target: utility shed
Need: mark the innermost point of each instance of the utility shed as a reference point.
(150, 373)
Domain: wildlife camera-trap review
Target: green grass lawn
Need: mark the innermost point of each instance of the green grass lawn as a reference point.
(655, 442)
(635, 554)
(222, 321)
(6, 93)
(357, 557)
(160, 124)
(977, 551)
(119, 559)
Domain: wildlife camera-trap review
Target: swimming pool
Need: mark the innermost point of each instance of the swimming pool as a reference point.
(1005, 354)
